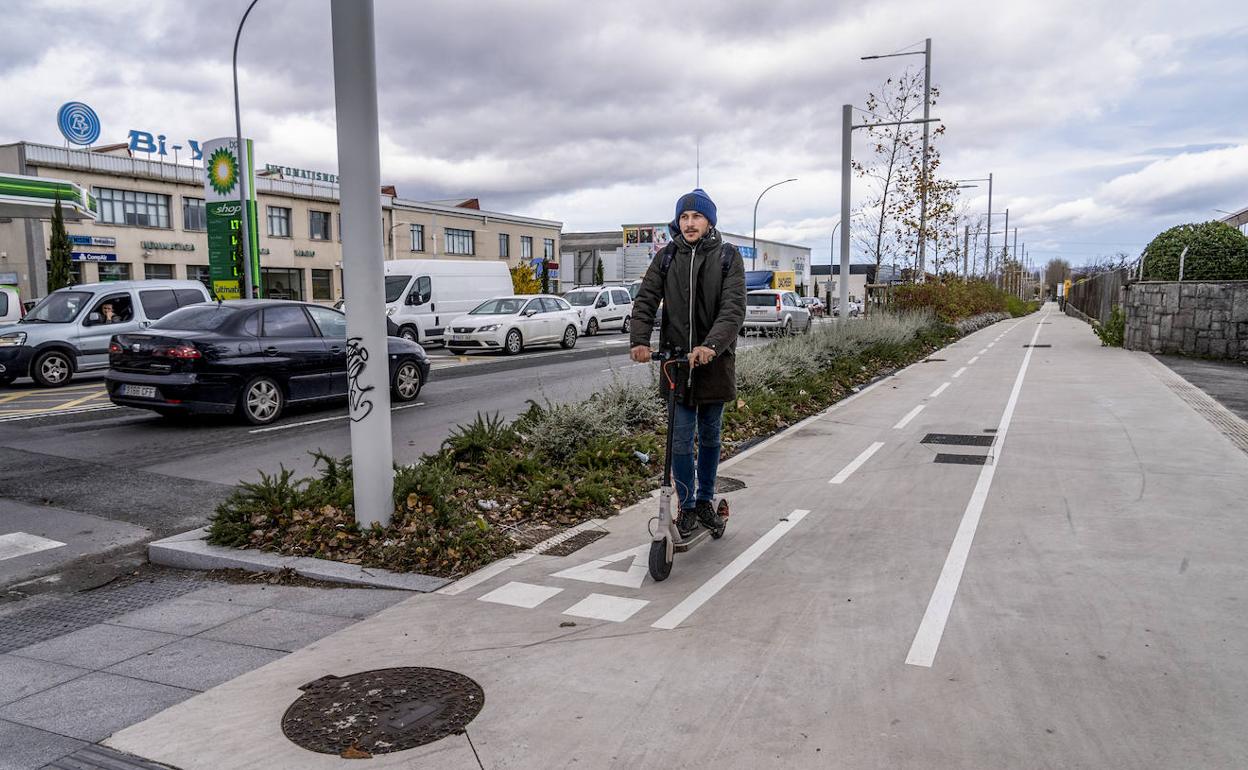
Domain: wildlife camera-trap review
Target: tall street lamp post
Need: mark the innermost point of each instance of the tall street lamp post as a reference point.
(243, 181)
(754, 257)
(927, 106)
(988, 226)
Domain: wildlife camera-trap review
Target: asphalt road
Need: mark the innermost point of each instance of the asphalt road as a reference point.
(100, 483)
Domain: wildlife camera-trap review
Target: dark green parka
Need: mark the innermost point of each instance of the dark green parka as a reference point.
(718, 310)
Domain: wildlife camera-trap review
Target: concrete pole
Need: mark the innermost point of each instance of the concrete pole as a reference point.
(927, 114)
(355, 102)
(1005, 249)
(988, 241)
(1014, 250)
(847, 151)
(966, 252)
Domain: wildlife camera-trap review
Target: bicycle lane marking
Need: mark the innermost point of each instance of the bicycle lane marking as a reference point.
(932, 627)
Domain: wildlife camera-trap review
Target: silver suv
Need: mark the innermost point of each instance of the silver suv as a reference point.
(69, 330)
(774, 311)
(602, 307)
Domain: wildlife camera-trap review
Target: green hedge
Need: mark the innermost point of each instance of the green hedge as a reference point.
(1215, 252)
(954, 300)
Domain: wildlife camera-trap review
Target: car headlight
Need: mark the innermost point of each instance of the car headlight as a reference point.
(488, 328)
(390, 311)
(12, 340)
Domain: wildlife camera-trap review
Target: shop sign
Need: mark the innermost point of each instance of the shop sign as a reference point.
(163, 246)
(93, 240)
(92, 256)
(227, 169)
(300, 173)
(304, 253)
(78, 123)
(143, 141)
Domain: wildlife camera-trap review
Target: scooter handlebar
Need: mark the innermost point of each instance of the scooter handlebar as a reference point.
(677, 355)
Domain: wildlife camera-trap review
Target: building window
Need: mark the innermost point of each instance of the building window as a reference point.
(459, 241)
(127, 207)
(75, 272)
(319, 225)
(279, 222)
(159, 272)
(282, 282)
(526, 247)
(418, 237)
(548, 248)
(194, 214)
(114, 271)
(322, 284)
(199, 273)
(504, 245)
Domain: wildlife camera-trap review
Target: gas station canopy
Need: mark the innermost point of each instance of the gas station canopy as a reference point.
(33, 197)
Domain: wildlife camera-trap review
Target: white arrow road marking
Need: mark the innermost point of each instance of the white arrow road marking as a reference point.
(596, 571)
(17, 544)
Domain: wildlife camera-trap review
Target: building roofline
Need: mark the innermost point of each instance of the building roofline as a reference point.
(474, 213)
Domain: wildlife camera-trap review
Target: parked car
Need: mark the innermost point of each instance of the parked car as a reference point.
(773, 311)
(423, 295)
(11, 309)
(247, 357)
(512, 323)
(69, 330)
(814, 305)
(855, 310)
(602, 307)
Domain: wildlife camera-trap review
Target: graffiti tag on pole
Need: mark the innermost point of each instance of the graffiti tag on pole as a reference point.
(357, 362)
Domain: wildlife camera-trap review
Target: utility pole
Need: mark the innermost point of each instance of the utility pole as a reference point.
(966, 252)
(847, 151)
(1014, 250)
(754, 239)
(927, 113)
(1005, 249)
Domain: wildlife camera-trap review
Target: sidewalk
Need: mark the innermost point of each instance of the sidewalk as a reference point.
(1010, 556)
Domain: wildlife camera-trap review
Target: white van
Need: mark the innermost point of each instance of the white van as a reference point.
(10, 304)
(423, 295)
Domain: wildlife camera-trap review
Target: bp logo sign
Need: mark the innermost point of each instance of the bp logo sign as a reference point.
(222, 171)
(78, 123)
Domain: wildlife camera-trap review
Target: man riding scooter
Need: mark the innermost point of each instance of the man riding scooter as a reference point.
(700, 279)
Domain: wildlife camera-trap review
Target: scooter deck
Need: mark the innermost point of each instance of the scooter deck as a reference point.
(700, 534)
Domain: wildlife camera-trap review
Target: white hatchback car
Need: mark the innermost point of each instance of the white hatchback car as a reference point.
(775, 311)
(602, 307)
(510, 324)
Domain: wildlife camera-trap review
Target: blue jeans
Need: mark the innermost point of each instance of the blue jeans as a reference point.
(709, 420)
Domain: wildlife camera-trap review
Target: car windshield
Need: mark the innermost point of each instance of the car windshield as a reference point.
(760, 300)
(503, 306)
(199, 318)
(581, 298)
(395, 284)
(59, 307)
(633, 289)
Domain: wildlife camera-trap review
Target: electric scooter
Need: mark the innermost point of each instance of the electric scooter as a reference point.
(667, 540)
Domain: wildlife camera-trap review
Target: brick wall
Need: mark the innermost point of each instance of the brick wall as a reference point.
(1202, 319)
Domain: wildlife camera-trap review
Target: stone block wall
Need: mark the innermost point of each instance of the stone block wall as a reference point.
(1200, 319)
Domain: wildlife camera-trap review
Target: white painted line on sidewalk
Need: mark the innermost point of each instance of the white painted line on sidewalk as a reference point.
(990, 344)
(973, 360)
(939, 390)
(616, 609)
(932, 627)
(904, 421)
(327, 419)
(53, 413)
(982, 351)
(856, 463)
(517, 594)
(484, 574)
(707, 590)
(958, 373)
(17, 544)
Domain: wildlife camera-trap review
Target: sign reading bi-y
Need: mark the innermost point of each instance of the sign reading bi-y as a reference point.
(226, 170)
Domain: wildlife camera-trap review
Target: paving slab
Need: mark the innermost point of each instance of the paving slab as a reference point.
(93, 706)
(82, 535)
(26, 748)
(1226, 381)
(345, 602)
(184, 616)
(96, 647)
(277, 629)
(20, 677)
(195, 663)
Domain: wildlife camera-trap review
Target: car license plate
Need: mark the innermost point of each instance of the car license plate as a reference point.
(457, 337)
(138, 391)
(754, 311)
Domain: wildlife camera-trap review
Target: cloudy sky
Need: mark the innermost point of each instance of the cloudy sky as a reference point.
(1102, 122)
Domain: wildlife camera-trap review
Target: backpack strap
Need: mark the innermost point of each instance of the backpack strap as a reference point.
(725, 258)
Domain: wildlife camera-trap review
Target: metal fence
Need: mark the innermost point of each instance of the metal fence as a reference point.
(1096, 297)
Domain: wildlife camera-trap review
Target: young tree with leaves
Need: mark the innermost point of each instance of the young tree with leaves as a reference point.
(598, 275)
(522, 279)
(60, 252)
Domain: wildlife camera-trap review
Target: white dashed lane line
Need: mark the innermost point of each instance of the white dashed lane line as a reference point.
(939, 390)
(904, 421)
(856, 463)
(958, 373)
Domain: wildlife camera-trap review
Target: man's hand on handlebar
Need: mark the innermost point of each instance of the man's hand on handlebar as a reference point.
(701, 355)
(640, 353)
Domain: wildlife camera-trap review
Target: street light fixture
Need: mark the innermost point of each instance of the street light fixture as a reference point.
(754, 257)
(244, 214)
(988, 242)
(927, 106)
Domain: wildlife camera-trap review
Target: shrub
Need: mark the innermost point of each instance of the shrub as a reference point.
(1215, 252)
(952, 300)
(1114, 330)
(485, 434)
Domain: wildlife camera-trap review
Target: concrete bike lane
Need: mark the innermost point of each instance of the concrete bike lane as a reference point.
(792, 641)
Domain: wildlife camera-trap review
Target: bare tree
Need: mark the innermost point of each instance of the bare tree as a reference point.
(1056, 271)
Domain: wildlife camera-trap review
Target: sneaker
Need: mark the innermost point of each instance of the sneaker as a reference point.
(707, 515)
(687, 522)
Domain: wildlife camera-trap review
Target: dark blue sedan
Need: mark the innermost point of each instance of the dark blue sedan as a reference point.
(247, 357)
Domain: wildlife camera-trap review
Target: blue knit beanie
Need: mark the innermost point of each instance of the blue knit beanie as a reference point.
(697, 201)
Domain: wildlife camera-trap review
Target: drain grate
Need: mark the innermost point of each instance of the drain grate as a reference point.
(726, 484)
(383, 710)
(962, 459)
(1037, 346)
(957, 439)
(575, 543)
(932, 360)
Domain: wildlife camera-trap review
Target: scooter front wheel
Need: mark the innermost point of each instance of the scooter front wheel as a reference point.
(660, 565)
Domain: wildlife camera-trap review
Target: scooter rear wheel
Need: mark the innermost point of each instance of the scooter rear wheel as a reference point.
(660, 566)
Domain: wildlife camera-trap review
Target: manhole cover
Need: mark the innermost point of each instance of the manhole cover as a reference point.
(958, 439)
(384, 710)
(953, 459)
(1037, 346)
(725, 484)
(932, 360)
